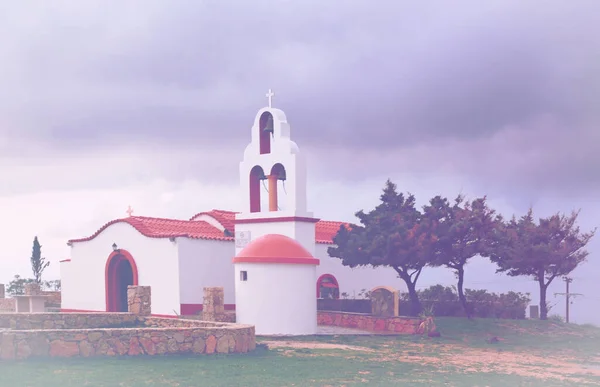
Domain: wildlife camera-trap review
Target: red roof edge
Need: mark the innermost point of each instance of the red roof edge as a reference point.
(132, 224)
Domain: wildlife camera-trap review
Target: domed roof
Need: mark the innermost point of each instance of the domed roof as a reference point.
(275, 248)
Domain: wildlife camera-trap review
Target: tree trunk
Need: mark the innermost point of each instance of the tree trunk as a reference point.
(415, 303)
(543, 305)
(460, 272)
(411, 286)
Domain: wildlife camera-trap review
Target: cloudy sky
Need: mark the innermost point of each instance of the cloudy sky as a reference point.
(148, 103)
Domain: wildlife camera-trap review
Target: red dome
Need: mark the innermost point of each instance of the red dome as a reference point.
(275, 248)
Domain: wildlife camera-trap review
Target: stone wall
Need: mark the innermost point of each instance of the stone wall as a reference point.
(399, 325)
(40, 335)
(7, 305)
(24, 321)
(213, 306)
(54, 298)
(33, 289)
(139, 300)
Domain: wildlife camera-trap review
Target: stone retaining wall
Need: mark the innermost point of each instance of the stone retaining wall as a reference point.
(399, 325)
(63, 335)
(23, 321)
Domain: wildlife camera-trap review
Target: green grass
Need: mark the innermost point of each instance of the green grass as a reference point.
(530, 353)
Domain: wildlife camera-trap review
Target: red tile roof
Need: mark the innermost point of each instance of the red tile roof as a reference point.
(166, 228)
(325, 230)
(226, 218)
(197, 229)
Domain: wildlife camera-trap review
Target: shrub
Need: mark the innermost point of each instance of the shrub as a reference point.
(444, 300)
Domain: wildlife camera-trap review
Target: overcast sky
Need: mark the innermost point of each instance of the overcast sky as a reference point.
(148, 103)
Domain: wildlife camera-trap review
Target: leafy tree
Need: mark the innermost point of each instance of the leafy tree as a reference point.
(38, 264)
(16, 287)
(551, 248)
(463, 231)
(393, 235)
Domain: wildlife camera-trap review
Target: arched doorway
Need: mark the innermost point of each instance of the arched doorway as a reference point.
(121, 271)
(328, 287)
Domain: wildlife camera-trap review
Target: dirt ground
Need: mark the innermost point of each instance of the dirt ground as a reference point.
(562, 367)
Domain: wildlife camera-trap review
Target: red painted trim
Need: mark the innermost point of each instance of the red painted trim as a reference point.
(295, 261)
(278, 219)
(80, 311)
(264, 137)
(330, 276)
(193, 309)
(64, 260)
(110, 274)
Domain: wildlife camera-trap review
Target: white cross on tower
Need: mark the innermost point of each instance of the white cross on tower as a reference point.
(270, 95)
(129, 210)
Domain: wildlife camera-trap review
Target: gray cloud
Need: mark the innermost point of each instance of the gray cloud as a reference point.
(389, 81)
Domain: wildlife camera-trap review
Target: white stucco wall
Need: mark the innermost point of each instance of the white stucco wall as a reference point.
(205, 263)
(352, 281)
(278, 299)
(83, 278)
(302, 232)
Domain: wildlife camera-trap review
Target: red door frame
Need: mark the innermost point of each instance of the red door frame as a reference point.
(111, 278)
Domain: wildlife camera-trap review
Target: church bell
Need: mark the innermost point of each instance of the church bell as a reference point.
(281, 174)
(269, 126)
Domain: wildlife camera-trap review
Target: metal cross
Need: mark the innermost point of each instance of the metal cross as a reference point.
(129, 210)
(270, 95)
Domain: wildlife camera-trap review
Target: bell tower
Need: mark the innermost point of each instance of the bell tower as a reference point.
(273, 183)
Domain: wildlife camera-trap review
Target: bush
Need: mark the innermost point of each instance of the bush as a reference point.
(445, 303)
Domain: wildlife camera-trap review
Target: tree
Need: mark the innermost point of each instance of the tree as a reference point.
(463, 231)
(38, 264)
(553, 247)
(392, 234)
(16, 287)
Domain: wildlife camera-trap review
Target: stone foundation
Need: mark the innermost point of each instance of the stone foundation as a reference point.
(24, 336)
(397, 325)
(139, 300)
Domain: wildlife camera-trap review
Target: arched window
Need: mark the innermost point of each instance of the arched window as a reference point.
(256, 175)
(328, 287)
(265, 129)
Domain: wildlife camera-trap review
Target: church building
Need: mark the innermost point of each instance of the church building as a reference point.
(179, 258)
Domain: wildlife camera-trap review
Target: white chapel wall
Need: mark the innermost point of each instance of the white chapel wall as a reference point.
(352, 281)
(205, 263)
(303, 232)
(83, 278)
